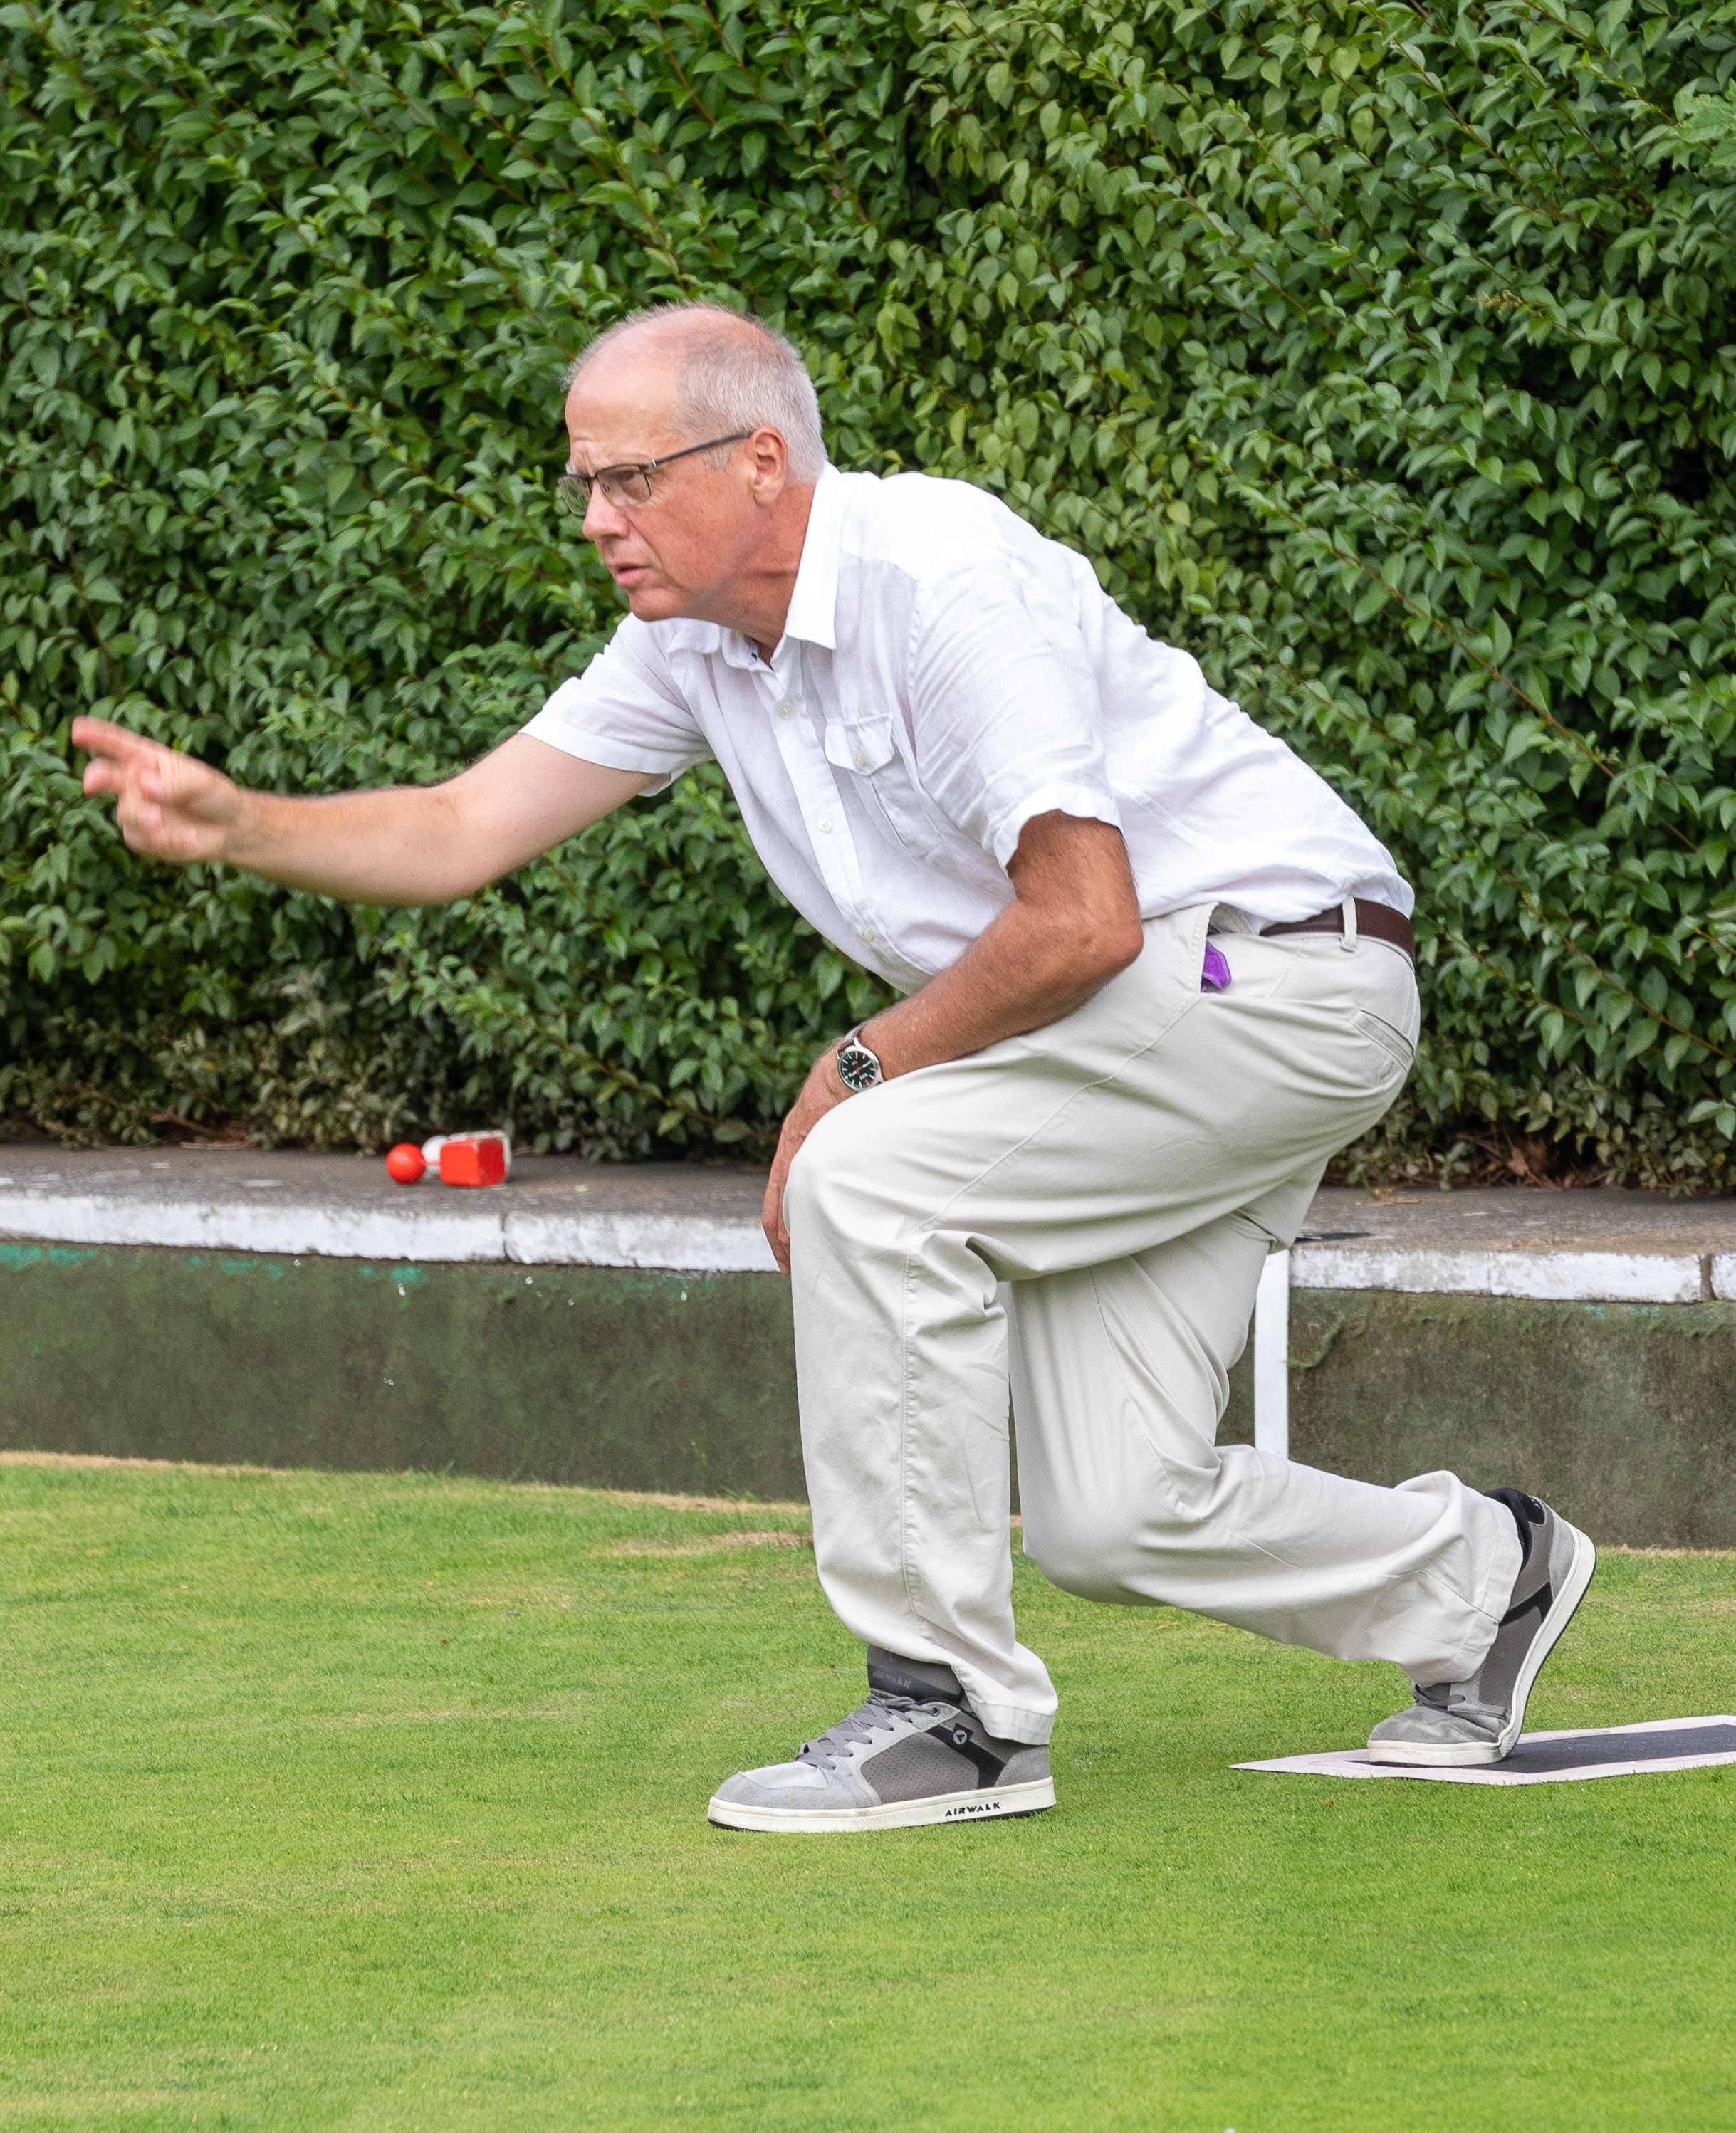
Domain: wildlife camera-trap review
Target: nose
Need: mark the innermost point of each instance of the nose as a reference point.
(602, 517)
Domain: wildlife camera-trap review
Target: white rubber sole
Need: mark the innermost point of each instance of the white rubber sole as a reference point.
(982, 1806)
(1465, 1756)
(1420, 1755)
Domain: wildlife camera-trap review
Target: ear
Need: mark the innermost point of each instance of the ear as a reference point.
(768, 456)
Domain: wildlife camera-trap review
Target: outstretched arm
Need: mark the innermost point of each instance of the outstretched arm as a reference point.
(399, 845)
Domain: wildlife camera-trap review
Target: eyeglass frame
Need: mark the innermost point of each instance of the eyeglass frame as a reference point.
(572, 482)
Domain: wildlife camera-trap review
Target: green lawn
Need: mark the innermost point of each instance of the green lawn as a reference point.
(371, 1802)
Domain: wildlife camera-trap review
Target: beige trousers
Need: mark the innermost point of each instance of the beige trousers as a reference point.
(1072, 1223)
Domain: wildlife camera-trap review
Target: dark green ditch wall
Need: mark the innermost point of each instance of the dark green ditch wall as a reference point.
(1620, 1414)
(592, 1375)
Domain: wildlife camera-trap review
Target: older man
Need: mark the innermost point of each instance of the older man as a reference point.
(1155, 973)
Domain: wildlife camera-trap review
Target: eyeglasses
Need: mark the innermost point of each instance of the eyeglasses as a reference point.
(627, 484)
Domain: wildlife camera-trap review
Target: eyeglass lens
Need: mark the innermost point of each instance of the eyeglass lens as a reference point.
(618, 484)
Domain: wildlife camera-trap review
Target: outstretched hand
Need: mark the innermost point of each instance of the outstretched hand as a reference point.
(171, 806)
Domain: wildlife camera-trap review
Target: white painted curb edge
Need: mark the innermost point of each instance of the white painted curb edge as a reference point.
(441, 1232)
(1547, 1276)
(281, 1228)
(695, 1244)
(465, 1234)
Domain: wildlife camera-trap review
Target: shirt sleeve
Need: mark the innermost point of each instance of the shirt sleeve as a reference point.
(624, 712)
(1008, 722)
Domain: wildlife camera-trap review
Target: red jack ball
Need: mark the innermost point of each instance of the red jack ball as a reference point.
(405, 1163)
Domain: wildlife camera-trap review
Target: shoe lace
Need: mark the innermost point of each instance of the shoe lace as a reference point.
(867, 1719)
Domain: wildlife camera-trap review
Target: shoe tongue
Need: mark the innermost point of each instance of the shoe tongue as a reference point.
(1527, 1511)
(920, 1680)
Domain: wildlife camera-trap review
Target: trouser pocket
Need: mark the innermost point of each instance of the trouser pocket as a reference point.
(1393, 1042)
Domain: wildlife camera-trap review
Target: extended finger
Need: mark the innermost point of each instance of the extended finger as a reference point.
(127, 775)
(99, 737)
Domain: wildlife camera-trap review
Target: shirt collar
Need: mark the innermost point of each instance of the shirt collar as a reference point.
(813, 602)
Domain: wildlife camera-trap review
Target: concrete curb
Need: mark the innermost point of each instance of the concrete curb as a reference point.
(690, 1220)
(1545, 1277)
(1597, 1247)
(436, 1238)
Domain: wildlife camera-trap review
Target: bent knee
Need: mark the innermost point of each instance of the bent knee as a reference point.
(839, 1183)
(1092, 1558)
(818, 1192)
(1106, 1549)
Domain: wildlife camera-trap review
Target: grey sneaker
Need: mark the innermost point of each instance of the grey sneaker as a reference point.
(915, 1752)
(1478, 1721)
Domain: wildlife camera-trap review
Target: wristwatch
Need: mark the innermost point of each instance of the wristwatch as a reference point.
(858, 1067)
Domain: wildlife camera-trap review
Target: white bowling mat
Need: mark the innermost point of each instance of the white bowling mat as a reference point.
(1545, 1759)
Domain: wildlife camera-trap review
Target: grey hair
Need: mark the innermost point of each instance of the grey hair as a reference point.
(731, 380)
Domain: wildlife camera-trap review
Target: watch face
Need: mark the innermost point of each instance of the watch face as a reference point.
(857, 1066)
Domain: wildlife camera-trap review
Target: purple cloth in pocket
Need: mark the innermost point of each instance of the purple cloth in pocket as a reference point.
(1215, 971)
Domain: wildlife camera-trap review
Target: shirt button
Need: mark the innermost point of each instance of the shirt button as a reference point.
(867, 932)
(786, 711)
(862, 760)
(824, 822)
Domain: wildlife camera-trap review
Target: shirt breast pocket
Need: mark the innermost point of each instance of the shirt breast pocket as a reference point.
(863, 748)
(868, 750)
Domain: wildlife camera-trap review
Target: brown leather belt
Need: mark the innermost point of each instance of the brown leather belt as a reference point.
(1379, 920)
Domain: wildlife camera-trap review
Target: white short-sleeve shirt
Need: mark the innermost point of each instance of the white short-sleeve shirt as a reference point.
(945, 674)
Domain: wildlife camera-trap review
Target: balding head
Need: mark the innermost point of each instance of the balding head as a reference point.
(729, 373)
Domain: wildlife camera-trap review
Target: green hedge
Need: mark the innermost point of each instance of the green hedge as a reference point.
(1385, 356)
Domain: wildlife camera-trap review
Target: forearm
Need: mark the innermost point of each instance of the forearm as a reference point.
(400, 844)
(1028, 969)
(1074, 923)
